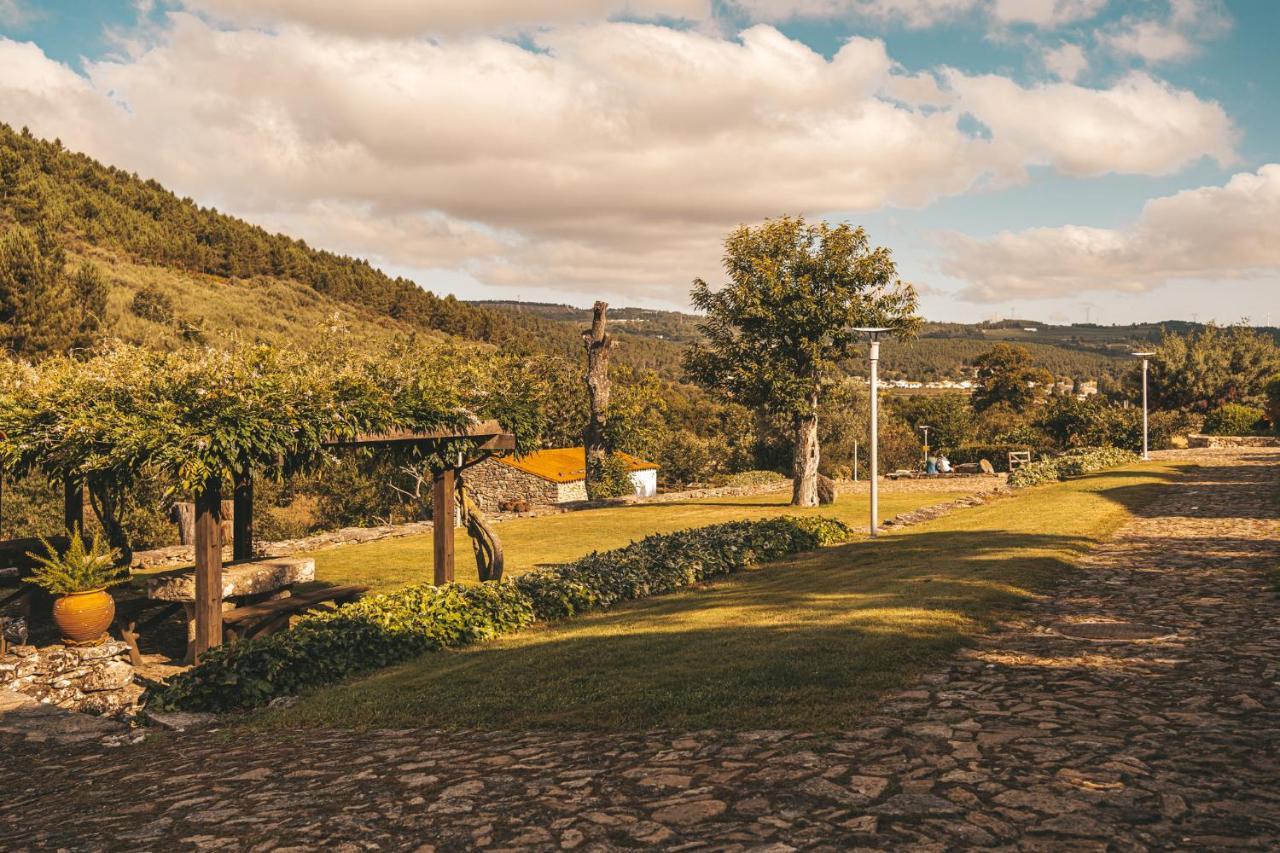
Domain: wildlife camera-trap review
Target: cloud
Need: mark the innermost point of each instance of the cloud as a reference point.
(611, 155)
(1210, 233)
(404, 18)
(1173, 38)
(911, 13)
(1139, 126)
(1045, 14)
(16, 13)
(1066, 62)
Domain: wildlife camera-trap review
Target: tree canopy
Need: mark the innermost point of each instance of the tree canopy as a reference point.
(776, 332)
(1203, 370)
(1006, 374)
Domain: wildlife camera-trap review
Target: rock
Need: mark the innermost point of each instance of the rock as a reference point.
(685, 814)
(113, 675)
(826, 490)
(181, 721)
(916, 805)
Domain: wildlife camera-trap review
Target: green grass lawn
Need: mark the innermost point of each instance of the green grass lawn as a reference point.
(806, 643)
(530, 542)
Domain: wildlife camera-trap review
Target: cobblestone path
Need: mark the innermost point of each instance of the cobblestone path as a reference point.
(1034, 740)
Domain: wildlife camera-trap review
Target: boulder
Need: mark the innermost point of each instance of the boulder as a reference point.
(826, 490)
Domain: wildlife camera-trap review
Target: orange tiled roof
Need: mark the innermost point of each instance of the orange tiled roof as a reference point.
(565, 464)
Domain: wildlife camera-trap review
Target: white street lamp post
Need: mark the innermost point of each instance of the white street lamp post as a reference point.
(1144, 356)
(874, 332)
(925, 427)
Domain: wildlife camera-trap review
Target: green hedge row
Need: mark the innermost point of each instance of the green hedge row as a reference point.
(385, 629)
(1073, 463)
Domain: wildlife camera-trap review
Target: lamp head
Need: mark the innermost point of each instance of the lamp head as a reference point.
(873, 331)
(1142, 354)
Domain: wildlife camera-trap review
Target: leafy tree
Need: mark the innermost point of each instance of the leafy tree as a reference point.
(43, 310)
(1006, 374)
(776, 332)
(1273, 402)
(949, 416)
(1204, 370)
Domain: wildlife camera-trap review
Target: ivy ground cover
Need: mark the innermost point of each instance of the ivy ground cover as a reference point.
(805, 643)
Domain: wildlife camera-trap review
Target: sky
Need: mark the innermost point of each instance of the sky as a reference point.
(1067, 161)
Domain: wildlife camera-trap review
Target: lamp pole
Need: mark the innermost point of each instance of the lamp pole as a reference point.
(874, 333)
(1144, 356)
(925, 427)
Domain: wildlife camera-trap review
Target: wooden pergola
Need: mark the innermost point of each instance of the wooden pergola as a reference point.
(485, 437)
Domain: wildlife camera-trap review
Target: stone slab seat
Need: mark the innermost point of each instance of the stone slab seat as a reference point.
(265, 617)
(253, 577)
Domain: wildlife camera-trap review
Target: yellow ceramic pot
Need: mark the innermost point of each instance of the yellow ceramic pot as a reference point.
(83, 617)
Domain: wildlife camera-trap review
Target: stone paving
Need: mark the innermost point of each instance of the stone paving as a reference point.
(1033, 740)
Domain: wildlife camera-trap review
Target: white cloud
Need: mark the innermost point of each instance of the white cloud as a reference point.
(16, 13)
(1066, 62)
(612, 155)
(401, 18)
(912, 13)
(1210, 233)
(1173, 38)
(1045, 14)
(1140, 125)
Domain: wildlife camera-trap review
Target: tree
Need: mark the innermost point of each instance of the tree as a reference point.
(598, 343)
(43, 311)
(1007, 375)
(1208, 369)
(949, 416)
(775, 334)
(1273, 402)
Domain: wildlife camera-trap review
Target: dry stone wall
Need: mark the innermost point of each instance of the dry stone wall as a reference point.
(94, 679)
(491, 483)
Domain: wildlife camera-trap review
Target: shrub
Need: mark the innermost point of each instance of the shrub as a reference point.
(1273, 402)
(1073, 463)
(753, 478)
(152, 303)
(1233, 419)
(385, 629)
(996, 454)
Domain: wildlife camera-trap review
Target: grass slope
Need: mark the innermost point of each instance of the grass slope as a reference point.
(531, 542)
(803, 644)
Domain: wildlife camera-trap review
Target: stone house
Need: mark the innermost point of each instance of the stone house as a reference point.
(547, 477)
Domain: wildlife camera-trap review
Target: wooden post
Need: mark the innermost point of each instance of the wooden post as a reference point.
(72, 506)
(442, 517)
(242, 515)
(208, 606)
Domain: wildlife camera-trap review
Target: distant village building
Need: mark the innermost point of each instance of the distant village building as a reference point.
(547, 477)
(1087, 389)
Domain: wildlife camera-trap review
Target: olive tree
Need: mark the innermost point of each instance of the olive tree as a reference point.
(776, 332)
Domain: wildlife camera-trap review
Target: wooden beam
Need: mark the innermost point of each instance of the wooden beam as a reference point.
(484, 430)
(442, 512)
(242, 515)
(72, 506)
(208, 604)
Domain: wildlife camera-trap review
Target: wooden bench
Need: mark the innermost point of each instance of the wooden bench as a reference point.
(267, 617)
(135, 615)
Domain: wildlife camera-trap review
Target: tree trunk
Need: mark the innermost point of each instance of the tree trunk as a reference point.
(108, 505)
(484, 539)
(598, 343)
(804, 464)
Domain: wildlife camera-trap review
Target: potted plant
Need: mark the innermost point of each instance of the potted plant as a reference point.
(80, 577)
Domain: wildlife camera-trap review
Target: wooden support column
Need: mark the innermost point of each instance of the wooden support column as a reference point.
(72, 506)
(208, 604)
(242, 516)
(442, 516)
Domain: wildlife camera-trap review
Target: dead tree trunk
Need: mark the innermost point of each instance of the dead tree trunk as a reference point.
(484, 539)
(598, 343)
(804, 464)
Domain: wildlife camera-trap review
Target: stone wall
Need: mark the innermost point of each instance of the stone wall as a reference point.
(1233, 441)
(567, 493)
(94, 679)
(493, 482)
